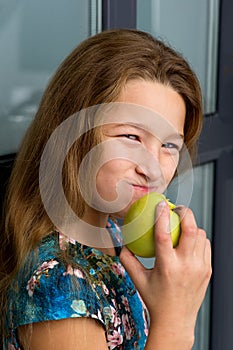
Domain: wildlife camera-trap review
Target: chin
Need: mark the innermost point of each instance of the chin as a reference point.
(122, 213)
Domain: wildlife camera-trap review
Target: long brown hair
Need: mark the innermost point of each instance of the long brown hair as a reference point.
(94, 73)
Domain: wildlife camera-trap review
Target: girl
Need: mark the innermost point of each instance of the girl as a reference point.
(57, 291)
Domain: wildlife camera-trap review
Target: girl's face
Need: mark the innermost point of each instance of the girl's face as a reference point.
(142, 156)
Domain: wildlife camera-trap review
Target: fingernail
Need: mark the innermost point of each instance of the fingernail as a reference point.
(162, 204)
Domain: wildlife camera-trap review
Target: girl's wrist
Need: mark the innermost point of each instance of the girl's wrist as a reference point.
(167, 342)
(161, 338)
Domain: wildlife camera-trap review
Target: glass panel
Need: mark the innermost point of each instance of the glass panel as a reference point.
(201, 202)
(35, 36)
(190, 26)
(202, 205)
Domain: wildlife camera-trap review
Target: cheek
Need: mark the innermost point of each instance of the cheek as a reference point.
(104, 176)
(168, 167)
(107, 178)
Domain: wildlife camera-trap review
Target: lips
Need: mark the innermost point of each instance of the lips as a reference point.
(145, 189)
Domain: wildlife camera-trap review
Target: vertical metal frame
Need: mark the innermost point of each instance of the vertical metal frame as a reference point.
(218, 140)
(211, 63)
(95, 7)
(119, 14)
(222, 282)
(216, 144)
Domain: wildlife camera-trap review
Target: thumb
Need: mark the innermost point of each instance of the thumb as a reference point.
(163, 241)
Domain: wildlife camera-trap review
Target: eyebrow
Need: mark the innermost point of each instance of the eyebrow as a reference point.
(175, 136)
(143, 128)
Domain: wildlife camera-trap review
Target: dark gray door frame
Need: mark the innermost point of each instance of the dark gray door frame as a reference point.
(216, 144)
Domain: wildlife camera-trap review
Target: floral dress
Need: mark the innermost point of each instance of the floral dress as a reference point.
(93, 285)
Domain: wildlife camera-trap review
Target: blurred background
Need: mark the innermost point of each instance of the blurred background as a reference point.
(35, 36)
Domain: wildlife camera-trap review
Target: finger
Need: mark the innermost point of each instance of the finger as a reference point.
(163, 241)
(134, 268)
(189, 230)
(200, 243)
(208, 253)
(207, 260)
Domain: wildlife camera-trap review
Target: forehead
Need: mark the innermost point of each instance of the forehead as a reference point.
(119, 115)
(157, 97)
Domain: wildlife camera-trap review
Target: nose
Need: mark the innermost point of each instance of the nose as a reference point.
(151, 172)
(148, 166)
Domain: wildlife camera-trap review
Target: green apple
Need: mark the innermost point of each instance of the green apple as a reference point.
(138, 225)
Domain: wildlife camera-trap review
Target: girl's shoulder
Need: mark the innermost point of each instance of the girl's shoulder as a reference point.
(52, 275)
(65, 279)
(62, 272)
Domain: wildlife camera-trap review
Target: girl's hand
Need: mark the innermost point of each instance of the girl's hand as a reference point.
(174, 289)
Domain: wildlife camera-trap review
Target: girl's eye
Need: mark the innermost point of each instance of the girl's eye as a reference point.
(131, 137)
(171, 146)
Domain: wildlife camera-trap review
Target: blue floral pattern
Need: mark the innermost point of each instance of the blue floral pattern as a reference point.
(93, 285)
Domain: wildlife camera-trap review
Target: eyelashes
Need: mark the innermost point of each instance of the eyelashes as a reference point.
(168, 145)
(132, 137)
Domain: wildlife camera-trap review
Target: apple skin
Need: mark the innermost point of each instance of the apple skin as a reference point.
(138, 225)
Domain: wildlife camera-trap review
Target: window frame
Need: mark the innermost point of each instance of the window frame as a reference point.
(215, 145)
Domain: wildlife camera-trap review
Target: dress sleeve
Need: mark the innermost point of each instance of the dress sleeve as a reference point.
(53, 293)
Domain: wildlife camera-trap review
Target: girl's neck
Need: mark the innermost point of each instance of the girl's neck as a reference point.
(95, 218)
(99, 220)
(91, 230)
